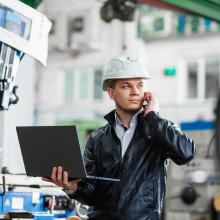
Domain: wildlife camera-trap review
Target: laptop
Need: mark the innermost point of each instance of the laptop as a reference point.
(45, 147)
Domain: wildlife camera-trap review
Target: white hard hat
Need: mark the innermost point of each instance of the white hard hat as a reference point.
(123, 67)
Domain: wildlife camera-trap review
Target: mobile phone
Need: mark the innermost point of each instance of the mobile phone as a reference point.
(145, 104)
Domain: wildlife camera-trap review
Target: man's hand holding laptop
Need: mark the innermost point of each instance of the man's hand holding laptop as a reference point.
(60, 178)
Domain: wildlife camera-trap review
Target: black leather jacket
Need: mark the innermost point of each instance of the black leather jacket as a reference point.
(142, 171)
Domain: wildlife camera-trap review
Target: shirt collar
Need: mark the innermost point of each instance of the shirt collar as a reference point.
(132, 122)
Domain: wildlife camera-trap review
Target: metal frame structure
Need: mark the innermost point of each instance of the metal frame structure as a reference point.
(205, 8)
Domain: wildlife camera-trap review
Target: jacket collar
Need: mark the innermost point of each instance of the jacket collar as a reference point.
(110, 117)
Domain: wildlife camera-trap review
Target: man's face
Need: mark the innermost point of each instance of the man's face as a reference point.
(128, 94)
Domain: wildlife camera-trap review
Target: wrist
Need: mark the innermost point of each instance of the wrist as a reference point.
(71, 190)
(75, 187)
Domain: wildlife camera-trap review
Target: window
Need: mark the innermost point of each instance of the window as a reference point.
(212, 75)
(69, 86)
(83, 94)
(77, 29)
(77, 24)
(192, 80)
(81, 85)
(15, 22)
(98, 84)
(154, 23)
(203, 78)
(158, 24)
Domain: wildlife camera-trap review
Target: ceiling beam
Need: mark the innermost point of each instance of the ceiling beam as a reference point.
(32, 3)
(205, 8)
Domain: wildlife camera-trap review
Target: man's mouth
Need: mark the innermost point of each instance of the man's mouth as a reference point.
(134, 101)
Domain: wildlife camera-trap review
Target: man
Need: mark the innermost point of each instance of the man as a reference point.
(134, 147)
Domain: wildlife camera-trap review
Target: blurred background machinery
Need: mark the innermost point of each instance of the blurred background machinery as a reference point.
(23, 197)
(10, 58)
(192, 189)
(121, 9)
(20, 31)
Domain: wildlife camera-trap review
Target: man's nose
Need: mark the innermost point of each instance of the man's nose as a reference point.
(135, 91)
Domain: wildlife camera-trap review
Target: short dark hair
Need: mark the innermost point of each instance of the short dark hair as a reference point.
(110, 83)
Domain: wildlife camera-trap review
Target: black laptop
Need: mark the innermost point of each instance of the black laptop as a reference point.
(45, 147)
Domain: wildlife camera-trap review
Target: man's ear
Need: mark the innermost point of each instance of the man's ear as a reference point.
(110, 93)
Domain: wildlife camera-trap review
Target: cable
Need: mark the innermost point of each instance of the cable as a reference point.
(218, 130)
(209, 145)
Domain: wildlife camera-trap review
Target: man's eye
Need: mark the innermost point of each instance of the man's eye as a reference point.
(125, 86)
(140, 86)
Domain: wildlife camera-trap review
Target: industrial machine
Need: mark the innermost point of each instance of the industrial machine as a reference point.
(193, 188)
(21, 29)
(24, 30)
(26, 197)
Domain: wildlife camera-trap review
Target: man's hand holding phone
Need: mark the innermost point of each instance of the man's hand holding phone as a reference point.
(60, 178)
(152, 104)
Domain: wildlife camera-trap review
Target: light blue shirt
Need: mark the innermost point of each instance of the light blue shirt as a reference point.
(125, 135)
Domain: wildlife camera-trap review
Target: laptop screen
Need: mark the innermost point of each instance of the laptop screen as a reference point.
(45, 147)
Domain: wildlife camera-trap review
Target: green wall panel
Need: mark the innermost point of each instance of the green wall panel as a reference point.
(206, 8)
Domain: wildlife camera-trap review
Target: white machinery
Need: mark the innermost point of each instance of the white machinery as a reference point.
(23, 30)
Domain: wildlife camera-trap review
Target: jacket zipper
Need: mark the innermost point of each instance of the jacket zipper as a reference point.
(116, 190)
